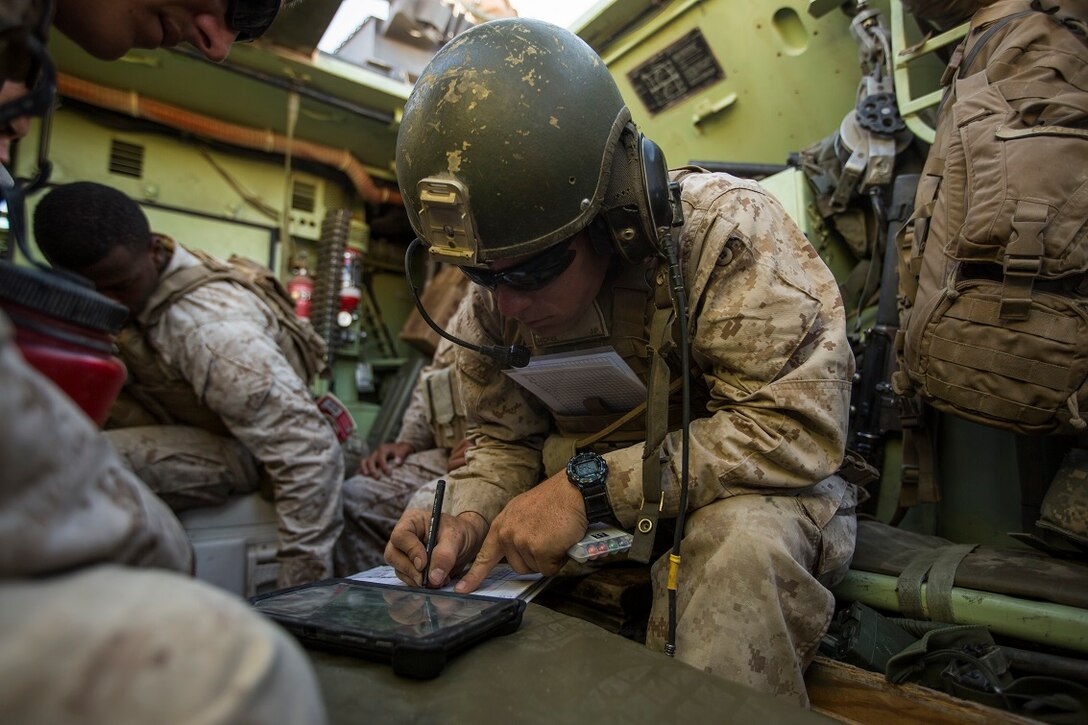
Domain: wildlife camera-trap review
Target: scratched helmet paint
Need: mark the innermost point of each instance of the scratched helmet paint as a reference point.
(507, 140)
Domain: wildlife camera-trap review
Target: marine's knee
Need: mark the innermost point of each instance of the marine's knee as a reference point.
(755, 530)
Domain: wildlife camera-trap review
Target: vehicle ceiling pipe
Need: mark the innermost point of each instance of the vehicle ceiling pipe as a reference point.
(265, 140)
(386, 119)
(1058, 625)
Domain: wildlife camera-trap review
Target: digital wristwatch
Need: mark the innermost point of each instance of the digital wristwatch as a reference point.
(588, 472)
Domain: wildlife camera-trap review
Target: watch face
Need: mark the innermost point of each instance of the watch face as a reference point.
(586, 469)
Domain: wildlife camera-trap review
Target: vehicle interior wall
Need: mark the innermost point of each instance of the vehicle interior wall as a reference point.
(770, 79)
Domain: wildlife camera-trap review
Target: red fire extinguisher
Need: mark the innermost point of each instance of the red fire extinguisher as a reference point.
(301, 289)
(349, 294)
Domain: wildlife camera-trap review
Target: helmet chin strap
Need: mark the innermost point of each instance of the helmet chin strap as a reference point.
(516, 356)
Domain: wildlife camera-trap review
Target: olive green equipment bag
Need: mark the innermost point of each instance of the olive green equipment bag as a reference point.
(994, 263)
(966, 663)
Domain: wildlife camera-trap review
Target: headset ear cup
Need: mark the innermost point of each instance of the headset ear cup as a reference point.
(626, 209)
(655, 186)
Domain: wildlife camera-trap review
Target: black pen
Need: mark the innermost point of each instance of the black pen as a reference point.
(432, 531)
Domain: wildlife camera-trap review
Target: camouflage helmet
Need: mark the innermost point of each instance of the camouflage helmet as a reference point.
(1064, 509)
(506, 143)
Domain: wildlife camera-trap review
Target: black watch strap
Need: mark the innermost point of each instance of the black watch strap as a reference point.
(598, 507)
(588, 472)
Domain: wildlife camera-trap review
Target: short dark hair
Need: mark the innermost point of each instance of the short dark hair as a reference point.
(76, 225)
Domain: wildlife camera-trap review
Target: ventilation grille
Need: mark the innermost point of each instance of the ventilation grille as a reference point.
(126, 159)
(303, 197)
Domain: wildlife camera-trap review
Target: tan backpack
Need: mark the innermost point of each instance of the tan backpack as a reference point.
(993, 283)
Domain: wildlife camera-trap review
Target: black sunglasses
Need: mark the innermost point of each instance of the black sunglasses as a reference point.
(534, 273)
(251, 18)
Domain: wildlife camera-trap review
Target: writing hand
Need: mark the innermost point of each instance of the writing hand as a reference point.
(387, 457)
(532, 533)
(459, 539)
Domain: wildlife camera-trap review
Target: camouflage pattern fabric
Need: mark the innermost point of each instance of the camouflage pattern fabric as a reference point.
(67, 500)
(219, 342)
(372, 507)
(768, 335)
(750, 608)
(424, 426)
(187, 467)
(113, 645)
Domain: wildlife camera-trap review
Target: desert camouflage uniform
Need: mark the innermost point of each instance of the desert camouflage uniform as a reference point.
(109, 643)
(432, 424)
(248, 417)
(763, 538)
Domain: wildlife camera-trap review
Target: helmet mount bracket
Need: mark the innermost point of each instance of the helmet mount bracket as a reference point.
(446, 218)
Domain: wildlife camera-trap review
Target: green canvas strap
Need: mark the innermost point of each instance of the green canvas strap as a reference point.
(937, 569)
(657, 421)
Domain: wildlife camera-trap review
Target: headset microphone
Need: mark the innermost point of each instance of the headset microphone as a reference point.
(515, 356)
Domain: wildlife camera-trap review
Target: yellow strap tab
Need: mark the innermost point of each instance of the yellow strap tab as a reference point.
(674, 571)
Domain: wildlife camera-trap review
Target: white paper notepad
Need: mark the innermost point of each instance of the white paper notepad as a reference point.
(564, 381)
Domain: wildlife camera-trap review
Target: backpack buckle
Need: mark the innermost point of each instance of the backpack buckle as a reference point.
(1023, 259)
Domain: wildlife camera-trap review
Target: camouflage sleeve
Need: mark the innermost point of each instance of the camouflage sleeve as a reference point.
(221, 338)
(67, 501)
(507, 424)
(769, 336)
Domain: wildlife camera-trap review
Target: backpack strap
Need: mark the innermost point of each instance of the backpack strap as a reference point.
(182, 282)
(967, 60)
(308, 348)
(657, 419)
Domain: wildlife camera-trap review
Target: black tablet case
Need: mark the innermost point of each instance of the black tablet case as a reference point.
(420, 657)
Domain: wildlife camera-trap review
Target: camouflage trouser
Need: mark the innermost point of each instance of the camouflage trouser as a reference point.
(116, 645)
(372, 507)
(752, 602)
(187, 467)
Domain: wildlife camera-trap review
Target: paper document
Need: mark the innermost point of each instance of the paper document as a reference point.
(565, 381)
(502, 583)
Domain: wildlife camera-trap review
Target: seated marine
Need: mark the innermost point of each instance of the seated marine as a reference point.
(216, 401)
